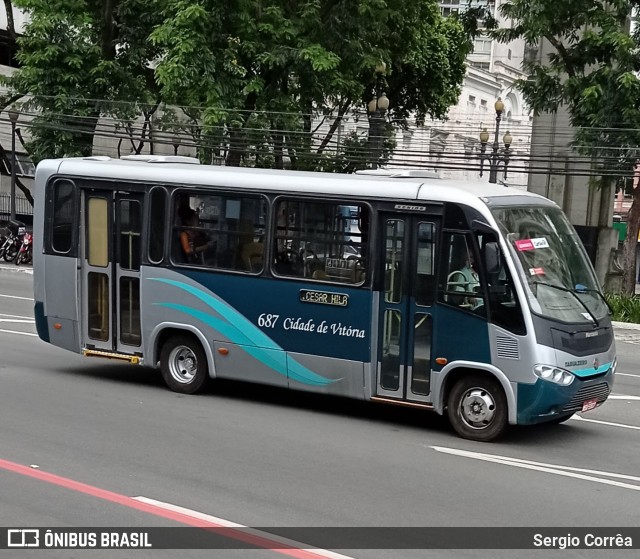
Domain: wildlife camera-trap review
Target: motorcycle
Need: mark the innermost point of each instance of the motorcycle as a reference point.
(25, 253)
(11, 245)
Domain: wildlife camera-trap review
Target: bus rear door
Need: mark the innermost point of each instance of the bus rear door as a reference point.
(110, 256)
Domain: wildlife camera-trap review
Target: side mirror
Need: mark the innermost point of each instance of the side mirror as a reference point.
(492, 259)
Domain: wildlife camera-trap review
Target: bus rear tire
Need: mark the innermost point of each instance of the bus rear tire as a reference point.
(183, 364)
(477, 408)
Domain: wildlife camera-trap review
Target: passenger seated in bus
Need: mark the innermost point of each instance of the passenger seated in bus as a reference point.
(193, 243)
(465, 280)
(252, 256)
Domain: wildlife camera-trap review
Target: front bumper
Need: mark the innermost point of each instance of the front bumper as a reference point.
(545, 401)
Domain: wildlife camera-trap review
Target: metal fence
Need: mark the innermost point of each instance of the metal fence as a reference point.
(23, 207)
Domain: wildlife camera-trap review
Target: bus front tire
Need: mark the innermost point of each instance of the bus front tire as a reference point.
(183, 364)
(477, 408)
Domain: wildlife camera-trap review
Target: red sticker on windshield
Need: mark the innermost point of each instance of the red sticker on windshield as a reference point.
(524, 244)
(536, 271)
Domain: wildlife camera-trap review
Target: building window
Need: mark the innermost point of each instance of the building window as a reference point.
(24, 165)
(482, 45)
(480, 65)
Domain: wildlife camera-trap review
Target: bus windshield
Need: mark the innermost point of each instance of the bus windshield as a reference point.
(553, 263)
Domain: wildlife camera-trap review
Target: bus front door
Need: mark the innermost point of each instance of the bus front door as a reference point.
(111, 271)
(408, 263)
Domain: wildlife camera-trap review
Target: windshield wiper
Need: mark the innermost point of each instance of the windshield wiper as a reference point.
(573, 292)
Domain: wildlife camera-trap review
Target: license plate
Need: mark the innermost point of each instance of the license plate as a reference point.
(589, 405)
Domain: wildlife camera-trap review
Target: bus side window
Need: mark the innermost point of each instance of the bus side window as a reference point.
(504, 305)
(157, 221)
(320, 240)
(219, 231)
(62, 214)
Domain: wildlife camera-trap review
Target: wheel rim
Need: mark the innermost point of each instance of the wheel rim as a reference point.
(183, 364)
(477, 408)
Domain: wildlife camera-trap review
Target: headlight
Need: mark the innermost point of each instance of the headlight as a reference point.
(554, 374)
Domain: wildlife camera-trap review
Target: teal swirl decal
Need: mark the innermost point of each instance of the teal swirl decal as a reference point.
(238, 329)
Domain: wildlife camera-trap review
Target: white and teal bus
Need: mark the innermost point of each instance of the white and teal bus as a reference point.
(472, 300)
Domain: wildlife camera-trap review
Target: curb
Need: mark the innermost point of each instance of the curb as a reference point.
(13, 268)
(626, 326)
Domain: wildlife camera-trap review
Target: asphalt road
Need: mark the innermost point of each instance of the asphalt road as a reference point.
(80, 437)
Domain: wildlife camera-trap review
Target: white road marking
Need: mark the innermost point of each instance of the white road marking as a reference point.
(559, 470)
(21, 333)
(18, 320)
(610, 423)
(16, 316)
(558, 466)
(622, 397)
(627, 375)
(16, 297)
(228, 524)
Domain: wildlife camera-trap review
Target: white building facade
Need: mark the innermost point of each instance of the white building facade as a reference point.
(453, 146)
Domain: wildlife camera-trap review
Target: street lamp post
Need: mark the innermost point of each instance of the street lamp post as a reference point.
(377, 108)
(495, 158)
(176, 145)
(13, 117)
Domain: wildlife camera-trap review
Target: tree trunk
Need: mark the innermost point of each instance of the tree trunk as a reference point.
(630, 244)
(83, 138)
(11, 27)
(107, 38)
(342, 109)
(278, 153)
(234, 155)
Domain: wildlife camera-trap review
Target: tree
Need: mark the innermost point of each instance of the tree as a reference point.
(80, 60)
(247, 79)
(593, 73)
(286, 62)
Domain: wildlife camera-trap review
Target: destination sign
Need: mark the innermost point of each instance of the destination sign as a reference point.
(324, 298)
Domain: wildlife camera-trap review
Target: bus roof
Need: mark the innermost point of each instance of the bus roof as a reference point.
(179, 171)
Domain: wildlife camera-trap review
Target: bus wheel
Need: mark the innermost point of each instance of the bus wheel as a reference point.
(477, 408)
(183, 364)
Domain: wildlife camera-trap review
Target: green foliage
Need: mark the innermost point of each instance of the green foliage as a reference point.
(251, 77)
(80, 60)
(624, 308)
(355, 153)
(308, 58)
(590, 69)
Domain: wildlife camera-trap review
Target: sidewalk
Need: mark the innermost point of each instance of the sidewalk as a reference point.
(11, 267)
